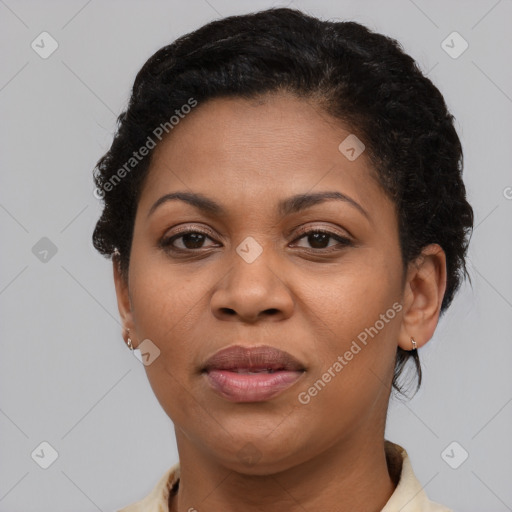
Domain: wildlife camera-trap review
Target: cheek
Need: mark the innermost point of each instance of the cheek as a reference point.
(166, 296)
(356, 312)
(351, 298)
(354, 361)
(168, 306)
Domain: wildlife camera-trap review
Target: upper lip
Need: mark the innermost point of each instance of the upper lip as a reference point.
(236, 357)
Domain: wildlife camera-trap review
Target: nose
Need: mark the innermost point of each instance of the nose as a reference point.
(253, 291)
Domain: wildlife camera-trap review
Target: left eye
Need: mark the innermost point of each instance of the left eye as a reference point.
(317, 238)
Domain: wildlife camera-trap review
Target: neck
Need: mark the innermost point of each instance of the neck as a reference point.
(346, 477)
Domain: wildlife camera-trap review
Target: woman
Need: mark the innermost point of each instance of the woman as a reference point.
(287, 219)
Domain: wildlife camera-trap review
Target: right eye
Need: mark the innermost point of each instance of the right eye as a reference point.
(191, 240)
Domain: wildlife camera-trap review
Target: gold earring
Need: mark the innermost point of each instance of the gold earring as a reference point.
(414, 344)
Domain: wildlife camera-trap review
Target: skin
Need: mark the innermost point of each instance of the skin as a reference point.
(308, 297)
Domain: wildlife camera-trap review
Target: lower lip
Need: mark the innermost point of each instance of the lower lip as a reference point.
(256, 387)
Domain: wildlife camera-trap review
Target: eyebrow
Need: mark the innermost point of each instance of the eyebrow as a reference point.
(287, 206)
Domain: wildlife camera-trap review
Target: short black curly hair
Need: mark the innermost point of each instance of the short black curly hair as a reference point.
(360, 77)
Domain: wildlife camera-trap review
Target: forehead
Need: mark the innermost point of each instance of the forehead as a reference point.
(267, 148)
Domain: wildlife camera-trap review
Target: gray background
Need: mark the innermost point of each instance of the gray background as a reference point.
(66, 376)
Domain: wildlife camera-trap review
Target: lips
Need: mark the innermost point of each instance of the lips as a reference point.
(260, 358)
(251, 374)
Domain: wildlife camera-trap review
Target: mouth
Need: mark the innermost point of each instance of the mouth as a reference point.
(252, 374)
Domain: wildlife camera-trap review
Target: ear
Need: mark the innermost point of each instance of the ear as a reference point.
(423, 295)
(123, 301)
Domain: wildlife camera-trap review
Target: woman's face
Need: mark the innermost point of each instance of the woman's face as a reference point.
(249, 276)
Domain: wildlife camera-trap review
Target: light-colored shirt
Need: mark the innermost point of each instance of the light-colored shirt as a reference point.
(408, 496)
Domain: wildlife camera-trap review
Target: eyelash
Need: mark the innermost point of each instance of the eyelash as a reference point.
(166, 243)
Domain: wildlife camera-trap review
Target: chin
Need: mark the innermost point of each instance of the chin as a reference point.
(253, 455)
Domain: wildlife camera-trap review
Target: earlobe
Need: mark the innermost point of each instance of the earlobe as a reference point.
(423, 295)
